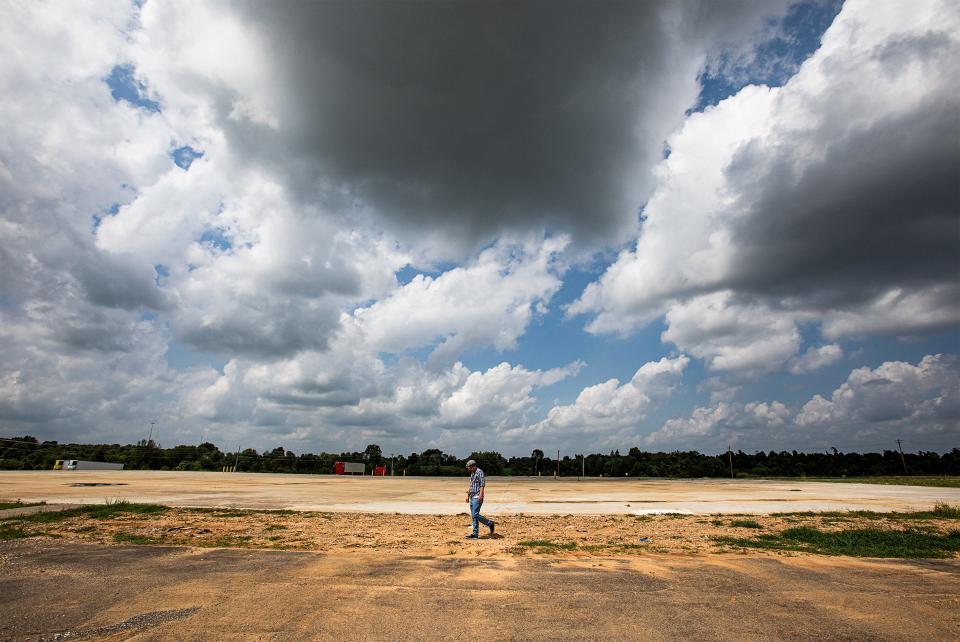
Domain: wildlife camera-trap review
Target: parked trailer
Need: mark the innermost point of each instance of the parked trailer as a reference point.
(79, 464)
(348, 468)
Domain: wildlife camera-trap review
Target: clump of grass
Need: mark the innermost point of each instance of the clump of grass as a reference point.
(547, 546)
(275, 527)
(861, 542)
(746, 523)
(275, 538)
(717, 522)
(132, 538)
(244, 514)
(945, 511)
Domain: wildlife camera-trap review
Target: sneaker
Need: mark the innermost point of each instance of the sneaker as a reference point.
(492, 527)
(471, 536)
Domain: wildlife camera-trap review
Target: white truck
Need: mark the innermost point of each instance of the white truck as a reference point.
(79, 464)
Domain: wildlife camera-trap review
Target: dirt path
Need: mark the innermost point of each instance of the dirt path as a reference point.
(65, 590)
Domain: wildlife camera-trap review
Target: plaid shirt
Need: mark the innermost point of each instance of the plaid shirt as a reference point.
(477, 481)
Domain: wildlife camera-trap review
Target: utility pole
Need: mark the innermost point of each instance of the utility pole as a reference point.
(236, 460)
(902, 459)
(150, 438)
(730, 458)
(558, 463)
(583, 465)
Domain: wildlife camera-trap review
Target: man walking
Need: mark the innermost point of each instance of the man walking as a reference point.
(478, 483)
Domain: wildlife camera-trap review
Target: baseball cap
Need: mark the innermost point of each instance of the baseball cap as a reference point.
(471, 463)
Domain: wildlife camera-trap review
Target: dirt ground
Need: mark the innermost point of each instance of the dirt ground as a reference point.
(445, 495)
(589, 560)
(64, 590)
(568, 536)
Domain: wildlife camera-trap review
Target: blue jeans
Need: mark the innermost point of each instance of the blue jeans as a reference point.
(475, 504)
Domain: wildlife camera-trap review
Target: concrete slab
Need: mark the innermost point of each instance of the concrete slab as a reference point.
(433, 495)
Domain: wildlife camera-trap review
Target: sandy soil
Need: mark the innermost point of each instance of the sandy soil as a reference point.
(444, 535)
(445, 495)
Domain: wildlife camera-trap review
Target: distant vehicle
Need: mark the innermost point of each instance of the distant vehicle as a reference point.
(79, 464)
(348, 468)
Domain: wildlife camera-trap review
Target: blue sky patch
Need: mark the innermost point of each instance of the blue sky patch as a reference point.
(183, 357)
(217, 237)
(162, 272)
(97, 217)
(124, 86)
(183, 157)
(776, 60)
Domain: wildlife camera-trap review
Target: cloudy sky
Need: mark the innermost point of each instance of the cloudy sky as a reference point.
(481, 225)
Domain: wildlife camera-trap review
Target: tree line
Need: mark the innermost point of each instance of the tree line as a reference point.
(29, 453)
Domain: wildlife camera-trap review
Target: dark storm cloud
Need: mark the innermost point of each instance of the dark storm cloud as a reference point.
(96, 329)
(120, 281)
(880, 210)
(264, 331)
(472, 117)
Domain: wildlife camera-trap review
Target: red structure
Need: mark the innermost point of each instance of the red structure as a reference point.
(380, 471)
(348, 468)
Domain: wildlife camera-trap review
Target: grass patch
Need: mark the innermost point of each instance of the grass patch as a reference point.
(746, 523)
(13, 531)
(233, 511)
(275, 527)
(18, 504)
(861, 542)
(237, 541)
(96, 511)
(131, 538)
(547, 546)
(939, 511)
